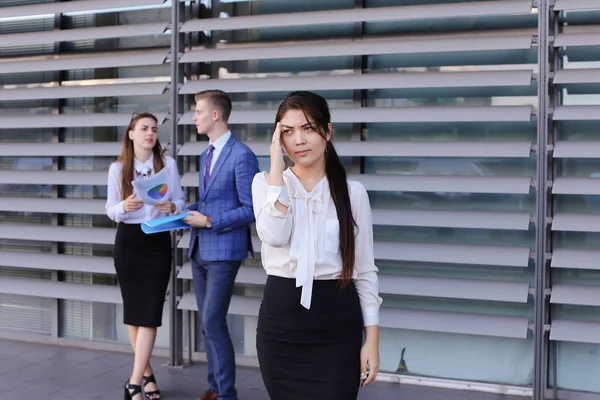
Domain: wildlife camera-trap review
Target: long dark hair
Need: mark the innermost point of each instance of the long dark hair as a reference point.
(316, 111)
(126, 157)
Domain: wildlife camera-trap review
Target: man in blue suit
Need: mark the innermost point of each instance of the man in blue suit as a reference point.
(220, 234)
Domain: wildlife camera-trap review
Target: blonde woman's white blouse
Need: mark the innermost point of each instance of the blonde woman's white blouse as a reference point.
(303, 244)
(114, 204)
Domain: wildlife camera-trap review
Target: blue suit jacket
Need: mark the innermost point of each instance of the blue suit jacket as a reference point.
(227, 200)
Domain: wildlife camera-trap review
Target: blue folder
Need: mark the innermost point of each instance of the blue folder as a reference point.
(164, 224)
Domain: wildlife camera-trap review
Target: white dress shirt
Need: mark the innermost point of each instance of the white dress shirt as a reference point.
(218, 145)
(114, 204)
(304, 243)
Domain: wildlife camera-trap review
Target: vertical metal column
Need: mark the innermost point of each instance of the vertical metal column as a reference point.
(542, 258)
(177, 75)
(57, 165)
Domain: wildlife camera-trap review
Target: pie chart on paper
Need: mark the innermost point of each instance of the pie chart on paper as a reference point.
(158, 191)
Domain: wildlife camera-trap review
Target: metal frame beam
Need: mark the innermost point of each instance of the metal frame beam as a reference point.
(543, 199)
(177, 75)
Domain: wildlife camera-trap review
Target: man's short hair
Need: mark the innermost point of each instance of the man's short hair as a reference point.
(219, 99)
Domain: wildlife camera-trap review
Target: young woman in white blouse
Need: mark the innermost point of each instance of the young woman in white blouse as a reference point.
(317, 249)
(142, 262)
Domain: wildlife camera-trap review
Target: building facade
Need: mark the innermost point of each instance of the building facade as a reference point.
(472, 124)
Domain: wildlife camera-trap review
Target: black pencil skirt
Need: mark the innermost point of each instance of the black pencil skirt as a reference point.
(310, 354)
(143, 265)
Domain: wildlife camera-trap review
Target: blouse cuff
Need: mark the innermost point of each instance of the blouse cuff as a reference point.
(274, 194)
(371, 316)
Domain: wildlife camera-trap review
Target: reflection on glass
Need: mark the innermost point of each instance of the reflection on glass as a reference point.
(453, 356)
(453, 201)
(451, 235)
(450, 166)
(453, 131)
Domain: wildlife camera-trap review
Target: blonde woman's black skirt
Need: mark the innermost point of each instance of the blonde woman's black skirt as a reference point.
(310, 354)
(143, 265)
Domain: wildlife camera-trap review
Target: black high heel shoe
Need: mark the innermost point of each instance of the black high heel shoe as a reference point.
(131, 391)
(150, 395)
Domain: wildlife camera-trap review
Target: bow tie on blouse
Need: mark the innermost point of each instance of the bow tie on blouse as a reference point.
(144, 172)
(308, 207)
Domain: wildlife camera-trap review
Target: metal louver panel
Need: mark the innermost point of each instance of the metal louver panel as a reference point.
(377, 14)
(453, 253)
(468, 289)
(576, 222)
(578, 36)
(61, 290)
(432, 321)
(509, 256)
(575, 295)
(97, 149)
(58, 262)
(360, 48)
(69, 92)
(69, 120)
(72, 6)
(58, 234)
(452, 219)
(576, 5)
(579, 75)
(54, 178)
(589, 186)
(366, 81)
(115, 59)
(577, 113)
(404, 114)
(424, 183)
(60, 206)
(399, 149)
(576, 149)
(575, 331)
(576, 259)
(459, 323)
(105, 32)
(579, 80)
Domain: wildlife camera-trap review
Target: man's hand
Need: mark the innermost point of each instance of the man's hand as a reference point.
(197, 220)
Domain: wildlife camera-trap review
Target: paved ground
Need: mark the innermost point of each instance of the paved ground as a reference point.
(35, 371)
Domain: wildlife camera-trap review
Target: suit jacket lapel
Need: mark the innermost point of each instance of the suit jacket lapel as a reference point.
(202, 163)
(220, 161)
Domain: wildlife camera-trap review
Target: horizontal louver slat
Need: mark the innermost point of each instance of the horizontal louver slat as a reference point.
(72, 6)
(575, 331)
(376, 14)
(67, 35)
(61, 290)
(398, 149)
(406, 80)
(59, 262)
(423, 183)
(69, 120)
(60, 206)
(361, 48)
(58, 234)
(69, 92)
(115, 59)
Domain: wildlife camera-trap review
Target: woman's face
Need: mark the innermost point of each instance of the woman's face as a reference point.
(303, 144)
(144, 135)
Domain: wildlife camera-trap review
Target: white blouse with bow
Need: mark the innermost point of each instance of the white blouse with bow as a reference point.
(114, 204)
(304, 243)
